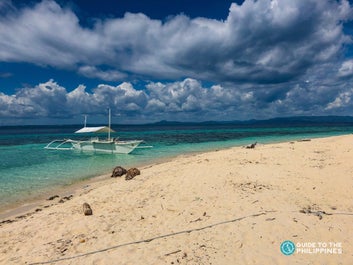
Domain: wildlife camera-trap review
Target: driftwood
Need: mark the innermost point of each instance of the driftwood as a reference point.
(252, 146)
(66, 198)
(53, 197)
(87, 210)
(118, 172)
(318, 213)
(131, 173)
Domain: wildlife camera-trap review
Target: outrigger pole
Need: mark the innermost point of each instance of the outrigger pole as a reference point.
(109, 124)
(85, 125)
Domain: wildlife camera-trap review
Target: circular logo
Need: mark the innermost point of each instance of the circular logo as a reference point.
(287, 247)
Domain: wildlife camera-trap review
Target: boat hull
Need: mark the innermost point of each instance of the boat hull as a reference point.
(115, 147)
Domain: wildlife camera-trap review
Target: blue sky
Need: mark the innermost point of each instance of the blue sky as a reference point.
(174, 60)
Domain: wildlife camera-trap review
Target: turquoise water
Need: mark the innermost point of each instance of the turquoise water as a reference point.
(28, 170)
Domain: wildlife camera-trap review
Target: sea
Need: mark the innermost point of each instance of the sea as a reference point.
(28, 170)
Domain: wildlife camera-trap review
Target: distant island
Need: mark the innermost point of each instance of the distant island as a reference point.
(295, 120)
(279, 121)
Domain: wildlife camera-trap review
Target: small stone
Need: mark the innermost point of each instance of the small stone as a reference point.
(63, 250)
(87, 210)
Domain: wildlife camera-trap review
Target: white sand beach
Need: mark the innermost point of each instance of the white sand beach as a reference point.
(233, 206)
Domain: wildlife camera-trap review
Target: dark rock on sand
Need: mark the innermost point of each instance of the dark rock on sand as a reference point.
(118, 172)
(87, 210)
(7, 222)
(131, 173)
(53, 197)
(66, 198)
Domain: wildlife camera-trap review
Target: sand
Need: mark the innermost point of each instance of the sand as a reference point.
(233, 206)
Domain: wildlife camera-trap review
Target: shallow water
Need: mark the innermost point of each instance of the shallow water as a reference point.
(28, 170)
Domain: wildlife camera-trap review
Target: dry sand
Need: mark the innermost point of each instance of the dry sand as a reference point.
(233, 206)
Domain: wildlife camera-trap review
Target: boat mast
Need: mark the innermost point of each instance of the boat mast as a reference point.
(109, 122)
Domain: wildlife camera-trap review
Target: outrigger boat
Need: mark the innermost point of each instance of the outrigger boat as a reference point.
(94, 144)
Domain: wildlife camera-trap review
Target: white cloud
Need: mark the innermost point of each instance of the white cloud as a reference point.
(341, 101)
(46, 99)
(186, 99)
(94, 72)
(155, 105)
(51, 100)
(346, 69)
(187, 95)
(81, 102)
(44, 35)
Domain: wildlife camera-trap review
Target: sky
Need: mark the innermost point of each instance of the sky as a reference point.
(174, 60)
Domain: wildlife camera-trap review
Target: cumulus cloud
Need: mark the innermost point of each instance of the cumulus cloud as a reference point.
(49, 99)
(259, 42)
(188, 99)
(176, 99)
(343, 100)
(43, 100)
(194, 100)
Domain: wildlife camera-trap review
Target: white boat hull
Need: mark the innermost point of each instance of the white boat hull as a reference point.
(95, 145)
(115, 147)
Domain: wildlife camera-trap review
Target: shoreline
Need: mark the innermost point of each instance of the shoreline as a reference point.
(20, 209)
(217, 207)
(29, 202)
(17, 210)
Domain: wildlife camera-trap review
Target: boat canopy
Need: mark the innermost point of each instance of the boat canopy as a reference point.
(101, 129)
